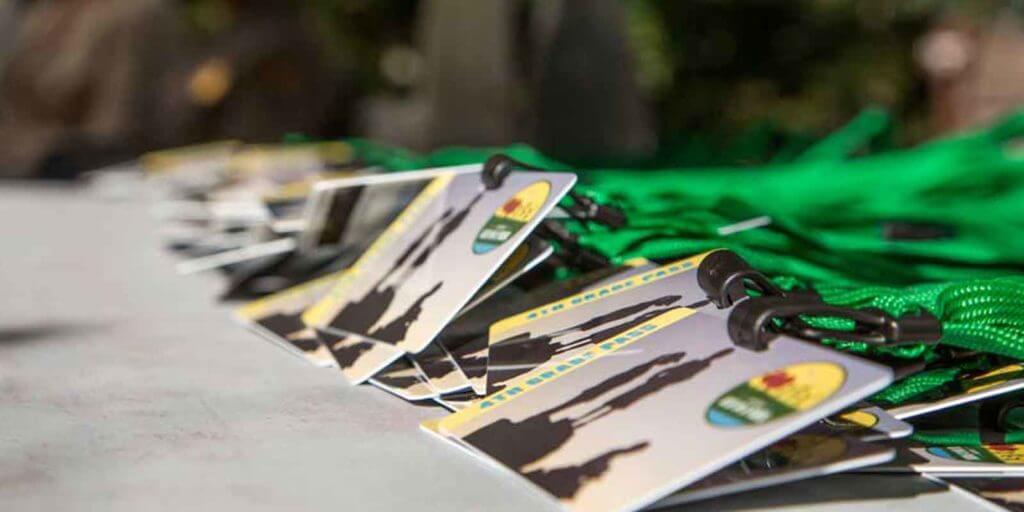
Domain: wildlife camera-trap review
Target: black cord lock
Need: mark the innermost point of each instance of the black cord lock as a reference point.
(496, 169)
(754, 322)
(728, 280)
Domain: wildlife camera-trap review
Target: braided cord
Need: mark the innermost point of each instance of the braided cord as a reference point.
(967, 437)
(829, 209)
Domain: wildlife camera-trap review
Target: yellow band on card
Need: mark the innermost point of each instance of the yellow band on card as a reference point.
(568, 303)
(554, 370)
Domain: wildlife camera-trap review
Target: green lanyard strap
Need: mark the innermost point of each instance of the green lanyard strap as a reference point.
(863, 228)
(985, 315)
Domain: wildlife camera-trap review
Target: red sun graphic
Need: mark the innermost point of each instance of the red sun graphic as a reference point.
(1000, 447)
(511, 205)
(777, 379)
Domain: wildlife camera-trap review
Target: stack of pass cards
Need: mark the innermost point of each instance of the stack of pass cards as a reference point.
(620, 418)
(616, 389)
(961, 411)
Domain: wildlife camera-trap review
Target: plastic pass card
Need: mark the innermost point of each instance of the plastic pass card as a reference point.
(438, 366)
(436, 361)
(974, 388)
(811, 453)
(359, 358)
(1004, 459)
(435, 256)
(401, 378)
(560, 329)
(525, 258)
(1007, 493)
(466, 337)
(655, 408)
(344, 211)
(278, 318)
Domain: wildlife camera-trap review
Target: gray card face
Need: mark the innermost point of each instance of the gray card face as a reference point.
(438, 366)
(436, 363)
(869, 424)
(435, 257)
(656, 408)
(525, 258)
(559, 330)
(810, 453)
(278, 318)
(356, 357)
(1004, 459)
(1000, 381)
(402, 379)
(458, 400)
(466, 337)
(345, 211)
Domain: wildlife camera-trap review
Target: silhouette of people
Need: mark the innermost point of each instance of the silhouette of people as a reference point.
(434, 362)
(394, 331)
(346, 350)
(618, 380)
(524, 352)
(661, 380)
(565, 482)
(540, 435)
(361, 315)
(305, 339)
(292, 329)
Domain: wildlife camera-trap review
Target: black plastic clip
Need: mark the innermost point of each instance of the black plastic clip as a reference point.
(499, 166)
(728, 280)
(753, 323)
(496, 169)
(575, 254)
(585, 208)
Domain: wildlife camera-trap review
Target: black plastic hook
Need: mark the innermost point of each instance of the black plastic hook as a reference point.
(574, 253)
(585, 208)
(753, 323)
(496, 169)
(726, 278)
(729, 281)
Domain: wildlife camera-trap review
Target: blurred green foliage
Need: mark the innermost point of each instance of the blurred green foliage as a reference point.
(720, 68)
(803, 65)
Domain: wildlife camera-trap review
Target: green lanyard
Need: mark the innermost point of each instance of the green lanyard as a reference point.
(939, 226)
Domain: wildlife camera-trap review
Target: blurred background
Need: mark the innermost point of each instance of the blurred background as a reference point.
(88, 83)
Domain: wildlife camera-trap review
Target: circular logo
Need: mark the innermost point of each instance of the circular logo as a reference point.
(776, 394)
(511, 216)
(1012, 454)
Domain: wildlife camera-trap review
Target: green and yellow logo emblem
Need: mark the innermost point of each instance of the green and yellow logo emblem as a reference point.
(776, 394)
(512, 216)
(1012, 454)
